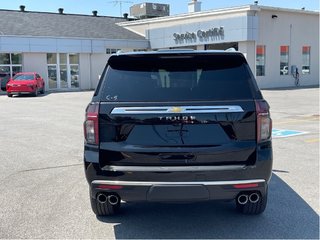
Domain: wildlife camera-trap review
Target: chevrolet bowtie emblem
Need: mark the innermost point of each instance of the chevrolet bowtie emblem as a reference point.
(176, 110)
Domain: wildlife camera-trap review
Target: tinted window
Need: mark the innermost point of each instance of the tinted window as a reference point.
(177, 78)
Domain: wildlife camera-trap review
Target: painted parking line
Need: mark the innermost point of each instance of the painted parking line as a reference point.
(283, 133)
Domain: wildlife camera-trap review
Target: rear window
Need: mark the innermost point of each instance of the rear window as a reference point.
(177, 78)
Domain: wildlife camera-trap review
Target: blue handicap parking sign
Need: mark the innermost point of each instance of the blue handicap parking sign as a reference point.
(281, 133)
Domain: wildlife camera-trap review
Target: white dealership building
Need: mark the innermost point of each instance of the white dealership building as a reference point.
(275, 41)
(70, 50)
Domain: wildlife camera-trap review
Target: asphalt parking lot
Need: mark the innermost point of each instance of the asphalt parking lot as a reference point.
(44, 194)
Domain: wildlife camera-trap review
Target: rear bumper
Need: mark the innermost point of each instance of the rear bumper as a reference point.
(177, 191)
(178, 183)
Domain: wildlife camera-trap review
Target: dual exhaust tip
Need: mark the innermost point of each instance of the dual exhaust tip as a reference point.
(104, 198)
(245, 198)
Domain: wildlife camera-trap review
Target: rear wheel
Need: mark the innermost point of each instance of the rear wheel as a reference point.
(9, 94)
(104, 209)
(253, 208)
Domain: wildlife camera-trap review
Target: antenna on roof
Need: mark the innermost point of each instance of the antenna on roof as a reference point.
(120, 2)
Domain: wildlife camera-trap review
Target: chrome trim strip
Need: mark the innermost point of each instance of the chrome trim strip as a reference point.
(176, 109)
(149, 184)
(173, 168)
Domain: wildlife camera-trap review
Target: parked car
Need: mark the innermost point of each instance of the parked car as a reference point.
(178, 125)
(26, 83)
(4, 78)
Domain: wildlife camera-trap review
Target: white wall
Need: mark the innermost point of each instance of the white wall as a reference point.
(84, 65)
(248, 50)
(36, 62)
(98, 62)
(275, 32)
(91, 66)
(63, 45)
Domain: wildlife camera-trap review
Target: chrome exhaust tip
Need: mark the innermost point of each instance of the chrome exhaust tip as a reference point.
(102, 198)
(254, 197)
(113, 199)
(242, 199)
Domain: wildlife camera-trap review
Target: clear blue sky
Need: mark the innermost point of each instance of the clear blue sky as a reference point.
(110, 8)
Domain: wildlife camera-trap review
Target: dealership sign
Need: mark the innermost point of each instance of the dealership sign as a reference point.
(201, 35)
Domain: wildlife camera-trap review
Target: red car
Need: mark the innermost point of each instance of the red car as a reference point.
(25, 83)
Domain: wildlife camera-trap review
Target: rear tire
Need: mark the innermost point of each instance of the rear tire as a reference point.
(254, 208)
(105, 209)
(9, 94)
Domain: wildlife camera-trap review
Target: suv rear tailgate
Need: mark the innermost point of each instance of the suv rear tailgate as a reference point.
(213, 133)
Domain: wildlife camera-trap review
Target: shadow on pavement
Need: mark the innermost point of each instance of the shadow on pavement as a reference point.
(287, 216)
(31, 96)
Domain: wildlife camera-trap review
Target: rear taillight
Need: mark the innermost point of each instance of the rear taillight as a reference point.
(264, 122)
(91, 124)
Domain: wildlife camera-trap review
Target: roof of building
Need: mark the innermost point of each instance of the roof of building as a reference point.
(17, 23)
(213, 12)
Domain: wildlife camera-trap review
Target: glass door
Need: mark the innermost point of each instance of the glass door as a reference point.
(74, 70)
(52, 70)
(63, 70)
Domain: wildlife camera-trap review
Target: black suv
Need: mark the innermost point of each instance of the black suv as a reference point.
(178, 126)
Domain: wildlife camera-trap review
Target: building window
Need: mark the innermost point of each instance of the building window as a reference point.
(74, 69)
(112, 50)
(284, 60)
(10, 63)
(52, 70)
(63, 67)
(140, 50)
(63, 70)
(261, 60)
(306, 60)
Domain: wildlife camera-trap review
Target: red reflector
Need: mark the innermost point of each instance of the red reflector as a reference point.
(112, 187)
(249, 185)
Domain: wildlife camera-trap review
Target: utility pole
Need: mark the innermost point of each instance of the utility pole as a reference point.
(120, 2)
